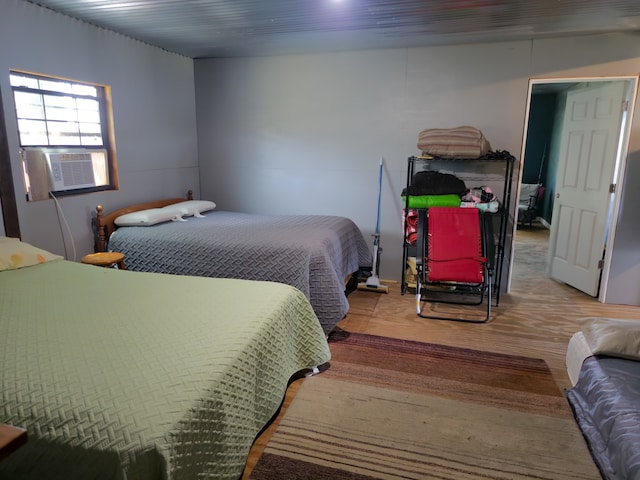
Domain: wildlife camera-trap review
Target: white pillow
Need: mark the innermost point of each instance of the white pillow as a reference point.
(190, 207)
(145, 218)
(615, 337)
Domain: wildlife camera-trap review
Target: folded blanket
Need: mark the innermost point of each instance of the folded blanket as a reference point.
(459, 142)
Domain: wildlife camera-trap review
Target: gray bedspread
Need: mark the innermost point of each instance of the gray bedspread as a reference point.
(313, 253)
(606, 404)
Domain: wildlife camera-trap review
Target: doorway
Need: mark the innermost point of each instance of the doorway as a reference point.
(548, 139)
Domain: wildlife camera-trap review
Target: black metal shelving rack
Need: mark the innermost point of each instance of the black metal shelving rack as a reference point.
(503, 212)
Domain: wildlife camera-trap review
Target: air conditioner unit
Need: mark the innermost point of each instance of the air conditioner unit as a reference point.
(56, 170)
(71, 170)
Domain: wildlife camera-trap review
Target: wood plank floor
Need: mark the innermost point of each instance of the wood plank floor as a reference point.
(535, 319)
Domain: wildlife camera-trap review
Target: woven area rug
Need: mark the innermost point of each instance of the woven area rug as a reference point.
(394, 409)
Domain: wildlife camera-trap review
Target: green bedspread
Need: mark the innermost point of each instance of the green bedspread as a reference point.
(128, 375)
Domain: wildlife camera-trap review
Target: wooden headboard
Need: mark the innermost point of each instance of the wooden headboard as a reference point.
(105, 224)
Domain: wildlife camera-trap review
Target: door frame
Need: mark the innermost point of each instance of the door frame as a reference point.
(619, 170)
(8, 205)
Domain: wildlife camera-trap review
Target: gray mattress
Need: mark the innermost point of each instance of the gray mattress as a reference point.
(606, 405)
(313, 253)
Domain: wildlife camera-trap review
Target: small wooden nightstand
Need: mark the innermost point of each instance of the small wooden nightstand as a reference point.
(11, 438)
(105, 259)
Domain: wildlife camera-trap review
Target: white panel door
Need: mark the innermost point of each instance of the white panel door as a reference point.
(588, 150)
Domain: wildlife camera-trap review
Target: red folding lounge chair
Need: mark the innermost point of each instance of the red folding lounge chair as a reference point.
(455, 260)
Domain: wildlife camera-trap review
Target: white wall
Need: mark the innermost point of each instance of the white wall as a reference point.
(624, 277)
(153, 107)
(304, 133)
(295, 134)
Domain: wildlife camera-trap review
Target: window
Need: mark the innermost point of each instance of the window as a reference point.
(65, 138)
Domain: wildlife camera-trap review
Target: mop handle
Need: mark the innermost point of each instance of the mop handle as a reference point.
(377, 232)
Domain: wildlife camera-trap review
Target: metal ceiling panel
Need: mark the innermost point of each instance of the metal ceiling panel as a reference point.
(230, 28)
